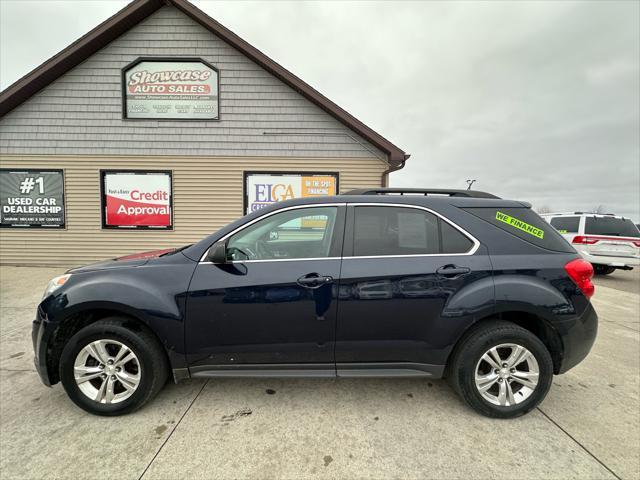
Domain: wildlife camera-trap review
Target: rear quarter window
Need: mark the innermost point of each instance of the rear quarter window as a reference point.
(566, 224)
(525, 224)
(453, 241)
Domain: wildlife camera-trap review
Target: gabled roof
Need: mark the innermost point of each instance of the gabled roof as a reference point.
(137, 11)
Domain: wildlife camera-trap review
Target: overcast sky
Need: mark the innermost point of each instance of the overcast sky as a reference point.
(538, 101)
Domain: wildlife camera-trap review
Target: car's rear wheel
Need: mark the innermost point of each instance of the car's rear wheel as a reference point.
(108, 369)
(501, 370)
(603, 269)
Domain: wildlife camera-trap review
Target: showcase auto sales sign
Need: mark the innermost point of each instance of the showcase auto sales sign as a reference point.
(137, 199)
(171, 90)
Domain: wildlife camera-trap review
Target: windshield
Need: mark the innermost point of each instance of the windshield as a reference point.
(619, 227)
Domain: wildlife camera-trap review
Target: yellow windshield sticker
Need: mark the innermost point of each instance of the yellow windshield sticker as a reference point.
(519, 224)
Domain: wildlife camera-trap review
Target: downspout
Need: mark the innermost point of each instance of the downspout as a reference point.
(384, 180)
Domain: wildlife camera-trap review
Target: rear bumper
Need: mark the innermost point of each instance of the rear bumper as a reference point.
(578, 336)
(40, 337)
(611, 261)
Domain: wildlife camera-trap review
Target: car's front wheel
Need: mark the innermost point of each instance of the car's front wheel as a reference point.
(109, 369)
(501, 370)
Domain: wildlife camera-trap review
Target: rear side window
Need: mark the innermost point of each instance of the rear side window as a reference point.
(524, 223)
(611, 226)
(566, 224)
(394, 231)
(382, 231)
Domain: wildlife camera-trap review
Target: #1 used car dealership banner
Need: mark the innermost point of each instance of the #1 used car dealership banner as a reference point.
(140, 199)
(262, 189)
(31, 198)
(165, 90)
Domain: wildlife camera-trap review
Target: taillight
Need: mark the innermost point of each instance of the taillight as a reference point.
(583, 240)
(581, 273)
(591, 239)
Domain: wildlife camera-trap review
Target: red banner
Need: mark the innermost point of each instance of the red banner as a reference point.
(137, 199)
(125, 212)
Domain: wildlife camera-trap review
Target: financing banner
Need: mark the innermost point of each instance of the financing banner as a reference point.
(166, 90)
(262, 189)
(32, 198)
(140, 199)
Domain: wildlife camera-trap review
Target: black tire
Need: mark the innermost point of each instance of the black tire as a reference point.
(467, 355)
(603, 269)
(152, 358)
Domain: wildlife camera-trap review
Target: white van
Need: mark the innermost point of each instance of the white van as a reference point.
(607, 241)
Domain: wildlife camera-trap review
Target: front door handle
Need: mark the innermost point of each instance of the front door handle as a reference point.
(313, 280)
(450, 271)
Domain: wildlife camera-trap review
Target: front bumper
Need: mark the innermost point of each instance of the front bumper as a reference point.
(40, 336)
(578, 336)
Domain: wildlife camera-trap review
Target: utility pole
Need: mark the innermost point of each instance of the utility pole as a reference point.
(470, 182)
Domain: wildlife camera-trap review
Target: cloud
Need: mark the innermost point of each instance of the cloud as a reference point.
(538, 101)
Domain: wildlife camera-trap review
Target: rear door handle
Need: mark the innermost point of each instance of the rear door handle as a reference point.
(313, 280)
(452, 271)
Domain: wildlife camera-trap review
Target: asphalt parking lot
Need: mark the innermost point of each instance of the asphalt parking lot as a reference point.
(588, 427)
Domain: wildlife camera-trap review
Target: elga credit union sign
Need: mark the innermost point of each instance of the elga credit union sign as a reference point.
(184, 89)
(262, 189)
(31, 198)
(136, 199)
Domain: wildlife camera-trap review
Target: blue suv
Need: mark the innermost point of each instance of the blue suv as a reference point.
(381, 282)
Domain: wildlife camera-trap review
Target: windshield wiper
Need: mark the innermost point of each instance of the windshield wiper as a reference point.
(179, 249)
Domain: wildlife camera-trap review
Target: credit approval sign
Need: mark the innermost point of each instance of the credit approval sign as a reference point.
(170, 89)
(264, 188)
(136, 199)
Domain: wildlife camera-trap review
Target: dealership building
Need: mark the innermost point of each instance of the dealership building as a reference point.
(156, 128)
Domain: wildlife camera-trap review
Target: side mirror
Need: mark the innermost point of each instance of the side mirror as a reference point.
(218, 253)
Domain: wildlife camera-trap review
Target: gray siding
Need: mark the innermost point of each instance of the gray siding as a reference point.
(81, 112)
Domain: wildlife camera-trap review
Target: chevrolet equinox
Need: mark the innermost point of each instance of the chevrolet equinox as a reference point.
(451, 284)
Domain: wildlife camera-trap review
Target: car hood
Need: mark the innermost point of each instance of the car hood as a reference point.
(133, 260)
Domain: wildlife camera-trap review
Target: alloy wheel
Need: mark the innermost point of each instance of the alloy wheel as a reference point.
(507, 374)
(107, 371)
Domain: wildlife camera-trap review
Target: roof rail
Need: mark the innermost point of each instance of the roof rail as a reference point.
(579, 213)
(420, 191)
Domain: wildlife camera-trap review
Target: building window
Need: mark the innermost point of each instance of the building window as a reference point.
(265, 188)
(136, 199)
(31, 198)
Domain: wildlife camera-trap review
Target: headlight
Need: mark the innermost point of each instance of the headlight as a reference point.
(55, 283)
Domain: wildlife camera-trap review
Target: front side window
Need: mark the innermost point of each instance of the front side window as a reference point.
(298, 233)
(383, 231)
(566, 224)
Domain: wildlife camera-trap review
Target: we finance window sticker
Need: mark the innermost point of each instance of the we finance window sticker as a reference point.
(519, 224)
